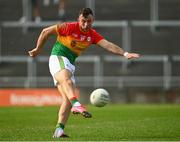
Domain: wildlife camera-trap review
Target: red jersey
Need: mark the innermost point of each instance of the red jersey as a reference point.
(72, 37)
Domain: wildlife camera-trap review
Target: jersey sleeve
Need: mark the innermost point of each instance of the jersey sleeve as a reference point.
(97, 37)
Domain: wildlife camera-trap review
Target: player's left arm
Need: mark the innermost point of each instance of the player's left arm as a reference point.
(116, 49)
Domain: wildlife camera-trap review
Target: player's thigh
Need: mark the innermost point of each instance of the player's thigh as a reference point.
(61, 69)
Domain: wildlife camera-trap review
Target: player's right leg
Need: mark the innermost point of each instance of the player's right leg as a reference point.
(64, 78)
(63, 73)
(81, 110)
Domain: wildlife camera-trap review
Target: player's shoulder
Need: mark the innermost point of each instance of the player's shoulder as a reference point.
(93, 31)
(67, 24)
(71, 24)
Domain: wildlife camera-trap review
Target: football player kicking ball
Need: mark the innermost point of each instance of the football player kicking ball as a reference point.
(72, 39)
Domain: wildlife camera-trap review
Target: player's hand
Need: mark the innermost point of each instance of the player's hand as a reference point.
(131, 55)
(34, 52)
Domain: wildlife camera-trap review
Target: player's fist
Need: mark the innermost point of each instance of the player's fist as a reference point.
(131, 55)
(34, 52)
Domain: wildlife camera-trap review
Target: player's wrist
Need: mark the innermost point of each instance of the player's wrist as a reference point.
(125, 54)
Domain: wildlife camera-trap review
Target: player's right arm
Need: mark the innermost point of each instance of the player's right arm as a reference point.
(45, 33)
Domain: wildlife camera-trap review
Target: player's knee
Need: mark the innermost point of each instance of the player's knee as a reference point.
(66, 82)
(63, 79)
(69, 82)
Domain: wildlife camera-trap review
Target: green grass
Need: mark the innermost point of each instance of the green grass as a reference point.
(110, 123)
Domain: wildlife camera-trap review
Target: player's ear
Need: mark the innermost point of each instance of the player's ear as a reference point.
(93, 19)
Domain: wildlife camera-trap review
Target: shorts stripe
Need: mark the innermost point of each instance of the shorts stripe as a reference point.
(61, 62)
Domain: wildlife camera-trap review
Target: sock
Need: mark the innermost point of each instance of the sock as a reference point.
(60, 125)
(74, 101)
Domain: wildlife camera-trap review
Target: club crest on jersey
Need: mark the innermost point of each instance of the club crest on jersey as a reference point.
(73, 43)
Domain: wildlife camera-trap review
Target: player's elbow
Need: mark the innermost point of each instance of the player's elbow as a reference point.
(44, 33)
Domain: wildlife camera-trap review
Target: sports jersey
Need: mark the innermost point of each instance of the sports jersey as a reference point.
(71, 41)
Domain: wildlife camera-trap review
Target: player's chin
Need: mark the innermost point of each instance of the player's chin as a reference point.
(86, 29)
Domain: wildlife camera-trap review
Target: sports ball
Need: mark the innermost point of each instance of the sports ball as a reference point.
(99, 97)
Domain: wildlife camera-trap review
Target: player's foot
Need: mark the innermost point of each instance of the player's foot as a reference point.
(81, 110)
(59, 132)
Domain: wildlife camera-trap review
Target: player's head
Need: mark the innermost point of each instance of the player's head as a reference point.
(85, 19)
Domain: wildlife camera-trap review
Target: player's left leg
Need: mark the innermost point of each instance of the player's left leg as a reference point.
(63, 115)
(65, 108)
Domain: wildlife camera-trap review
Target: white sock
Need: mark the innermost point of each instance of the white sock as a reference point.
(77, 104)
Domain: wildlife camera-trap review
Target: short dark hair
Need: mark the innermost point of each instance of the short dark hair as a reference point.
(86, 12)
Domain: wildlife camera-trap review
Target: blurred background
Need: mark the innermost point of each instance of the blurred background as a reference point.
(148, 27)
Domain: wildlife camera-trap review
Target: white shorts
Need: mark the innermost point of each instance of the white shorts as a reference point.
(57, 63)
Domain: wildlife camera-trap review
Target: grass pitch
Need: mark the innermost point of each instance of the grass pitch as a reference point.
(110, 123)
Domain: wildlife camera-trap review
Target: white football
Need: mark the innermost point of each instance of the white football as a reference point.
(99, 97)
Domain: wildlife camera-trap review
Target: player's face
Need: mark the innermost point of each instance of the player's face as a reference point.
(85, 23)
